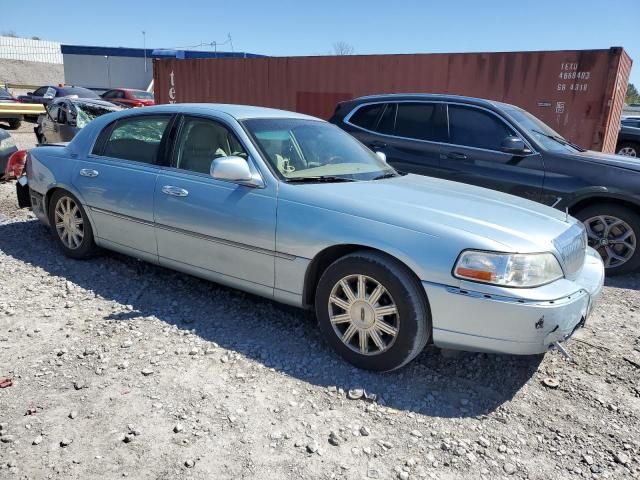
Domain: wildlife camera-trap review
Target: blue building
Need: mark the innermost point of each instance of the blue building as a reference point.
(102, 68)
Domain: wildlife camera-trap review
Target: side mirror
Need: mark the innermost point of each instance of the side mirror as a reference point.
(382, 156)
(233, 169)
(514, 145)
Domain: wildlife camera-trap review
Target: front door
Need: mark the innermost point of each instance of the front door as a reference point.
(211, 228)
(117, 181)
(473, 154)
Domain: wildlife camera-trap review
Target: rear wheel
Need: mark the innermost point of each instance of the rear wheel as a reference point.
(71, 226)
(372, 311)
(628, 149)
(613, 231)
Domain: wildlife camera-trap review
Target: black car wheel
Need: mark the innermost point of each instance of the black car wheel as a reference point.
(71, 227)
(628, 149)
(372, 311)
(613, 231)
(14, 124)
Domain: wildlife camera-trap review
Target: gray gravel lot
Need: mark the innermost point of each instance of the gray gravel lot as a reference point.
(121, 368)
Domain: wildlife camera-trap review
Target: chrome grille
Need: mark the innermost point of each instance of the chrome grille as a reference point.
(572, 247)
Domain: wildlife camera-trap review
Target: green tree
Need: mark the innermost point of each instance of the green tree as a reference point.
(632, 95)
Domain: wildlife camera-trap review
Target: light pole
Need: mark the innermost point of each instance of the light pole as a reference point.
(144, 47)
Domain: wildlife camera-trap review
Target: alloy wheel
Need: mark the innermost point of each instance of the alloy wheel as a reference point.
(628, 152)
(363, 314)
(612, 237)
(69, 223)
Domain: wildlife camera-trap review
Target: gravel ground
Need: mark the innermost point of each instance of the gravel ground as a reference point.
(123, 369)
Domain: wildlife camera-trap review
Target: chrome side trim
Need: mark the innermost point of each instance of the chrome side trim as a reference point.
(119, 215)
(244, 246)
(384, 102)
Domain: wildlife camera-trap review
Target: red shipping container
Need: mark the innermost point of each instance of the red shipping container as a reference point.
(579, 93)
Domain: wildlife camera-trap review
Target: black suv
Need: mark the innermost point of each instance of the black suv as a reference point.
(502, 147)
(629, 137)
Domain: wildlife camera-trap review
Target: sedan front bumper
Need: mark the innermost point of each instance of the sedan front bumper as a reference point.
(494, 322)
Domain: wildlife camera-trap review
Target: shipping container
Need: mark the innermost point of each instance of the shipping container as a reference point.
(580, 93)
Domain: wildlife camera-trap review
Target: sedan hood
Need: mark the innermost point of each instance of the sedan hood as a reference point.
(438, 207)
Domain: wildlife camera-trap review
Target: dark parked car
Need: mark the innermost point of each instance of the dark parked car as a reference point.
(46, 94)
(65, 117)
(7, 148)
(13, 120)
(129, 97)
(503, 147)
(629, 137)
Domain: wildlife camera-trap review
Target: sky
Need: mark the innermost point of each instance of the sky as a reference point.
(289, 27)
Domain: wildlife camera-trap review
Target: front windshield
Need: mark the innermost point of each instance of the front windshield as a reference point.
(540, 131)
(87, 112)
(298, 148)
(80, 92)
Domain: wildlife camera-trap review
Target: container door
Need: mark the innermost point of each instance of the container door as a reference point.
(473, 154)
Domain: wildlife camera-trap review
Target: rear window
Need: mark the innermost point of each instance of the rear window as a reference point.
(367, 116)
(80, 92)
(134, 138)
(141, 95)
(4, 95)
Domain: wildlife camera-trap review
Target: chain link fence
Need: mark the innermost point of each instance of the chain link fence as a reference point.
(28, 50)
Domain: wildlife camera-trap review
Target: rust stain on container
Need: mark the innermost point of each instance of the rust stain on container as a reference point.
(579, 93)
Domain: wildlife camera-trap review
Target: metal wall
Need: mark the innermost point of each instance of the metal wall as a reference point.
(577, 92)
(104, 71)
(29, 50)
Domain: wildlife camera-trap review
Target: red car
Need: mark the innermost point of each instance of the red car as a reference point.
(129, 97)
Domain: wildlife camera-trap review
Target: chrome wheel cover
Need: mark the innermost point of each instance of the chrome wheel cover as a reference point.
(363, 314)
(68, 222)
(613, 238)
(628, 152)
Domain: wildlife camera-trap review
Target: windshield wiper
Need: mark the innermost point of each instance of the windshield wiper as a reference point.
(320, 178)
(386, 175)
(560, 140)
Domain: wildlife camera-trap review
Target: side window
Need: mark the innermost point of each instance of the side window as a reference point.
(387, 123)
(54, 110)
(109, 94)
(40, 92)
(420, 121)
(201, 141)
(367, 116)
(135, 138)
(472, 127)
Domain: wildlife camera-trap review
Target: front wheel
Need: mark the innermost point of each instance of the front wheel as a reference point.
(71, 226)
(372, 311)
(613, 231)
(15, 124)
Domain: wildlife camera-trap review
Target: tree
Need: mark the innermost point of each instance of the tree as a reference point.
(343, 48)
(632, 95)
(9, 33)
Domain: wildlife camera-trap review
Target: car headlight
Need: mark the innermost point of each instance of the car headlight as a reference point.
(7, 143)
(508, 269)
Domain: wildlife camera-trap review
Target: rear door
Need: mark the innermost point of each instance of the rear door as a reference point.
(409, 133)
(117, 180)
(473, 154)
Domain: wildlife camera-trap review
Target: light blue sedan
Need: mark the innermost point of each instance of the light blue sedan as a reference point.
(292, 208)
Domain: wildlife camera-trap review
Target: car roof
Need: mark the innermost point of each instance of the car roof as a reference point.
(239, 112)
(440, 97)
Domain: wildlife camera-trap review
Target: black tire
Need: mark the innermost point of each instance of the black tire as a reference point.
(87, 247)
(15, 124)
(629, 147)
(628, 216)
(413, 315)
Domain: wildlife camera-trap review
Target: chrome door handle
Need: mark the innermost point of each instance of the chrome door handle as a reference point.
(87, 172)
(174, 191)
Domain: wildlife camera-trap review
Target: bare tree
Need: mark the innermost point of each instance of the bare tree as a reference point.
(9, 33)
(343, 48)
